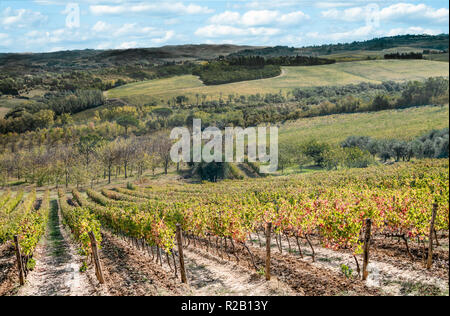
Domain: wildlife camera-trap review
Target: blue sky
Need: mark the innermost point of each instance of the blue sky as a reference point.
(52, 25)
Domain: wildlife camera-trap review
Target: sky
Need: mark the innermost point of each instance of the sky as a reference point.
(54, 25)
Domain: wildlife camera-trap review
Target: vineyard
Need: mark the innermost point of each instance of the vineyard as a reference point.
(312, 233)
(23, 221)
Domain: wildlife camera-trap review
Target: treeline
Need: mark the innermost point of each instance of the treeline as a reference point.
(242, 68)
(85, 160)
(216, 73)
(60, 82)
(322, 155)
(437, 42)
(251, 110)
(280, 61)
(404, 56)
(363, 151)
(434, 144)
(15, 84)
(267, 52)
(32, 116)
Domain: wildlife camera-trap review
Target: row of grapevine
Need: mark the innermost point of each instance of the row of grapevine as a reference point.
(4, 198)
(80, 221)
(11, 203)
(398, 199)
(122, 197)
(154, 228)
(33, 226)
(29, 225)
(12, 216)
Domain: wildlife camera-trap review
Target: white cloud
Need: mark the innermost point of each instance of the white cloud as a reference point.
(261, 17)
(104, 45)
(20, 18)
(267, 4)
(227, 17)
(412, 30)
(127, 45)
(126, 29)
(411, 11)
(332, 4)
(367, 32)
(101, 26)
(291, 40)
(171, 21)
(218, 30)
(293, 17)
(395, 12)
(168, 36)
(357, 34)
(348, 15)
(258, 18)
(65, 36)
(227, 30)
(133, 29)
(162, 7)
(5, 41)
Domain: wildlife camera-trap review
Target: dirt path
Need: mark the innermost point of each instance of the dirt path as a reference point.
(392, 275)
(210, 276)
(57, 265)
(131, 272)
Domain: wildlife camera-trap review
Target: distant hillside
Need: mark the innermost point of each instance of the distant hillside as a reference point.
(29, 63)
(438, 42)
(95, 59)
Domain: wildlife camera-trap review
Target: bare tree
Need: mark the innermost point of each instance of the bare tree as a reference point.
(163, 146)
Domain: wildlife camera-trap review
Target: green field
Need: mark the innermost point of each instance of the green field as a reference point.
(400, 124)
(293, 77)
(438, 57)
(359, 55)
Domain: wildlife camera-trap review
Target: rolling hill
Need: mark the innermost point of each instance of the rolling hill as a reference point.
(374, 71)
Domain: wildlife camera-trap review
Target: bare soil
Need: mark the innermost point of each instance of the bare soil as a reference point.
(209, 275)
(391, 270)
(302, 278)
(128, 272)
(57, 270)
(9, 280)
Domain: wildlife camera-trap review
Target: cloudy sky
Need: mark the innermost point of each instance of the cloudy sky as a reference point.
(52, 25)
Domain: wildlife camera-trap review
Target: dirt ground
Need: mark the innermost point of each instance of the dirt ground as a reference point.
(391, 270)
(9, 279)
(212, 270)
(57, 271)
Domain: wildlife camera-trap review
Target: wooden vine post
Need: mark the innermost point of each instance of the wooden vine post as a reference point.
(19, 261)
(430, 238)
(367, 248)
(180, 253)
(268, 243)
(98, 266)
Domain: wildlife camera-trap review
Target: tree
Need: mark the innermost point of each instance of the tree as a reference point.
(67, 156)
(332, 158)
(163, 145)
(315, 150)
(127, 121)
(381, 102)
(109, 155)
(127, 150)
(87, 147)
(301, 160)
(181, 99)
(400, 149)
